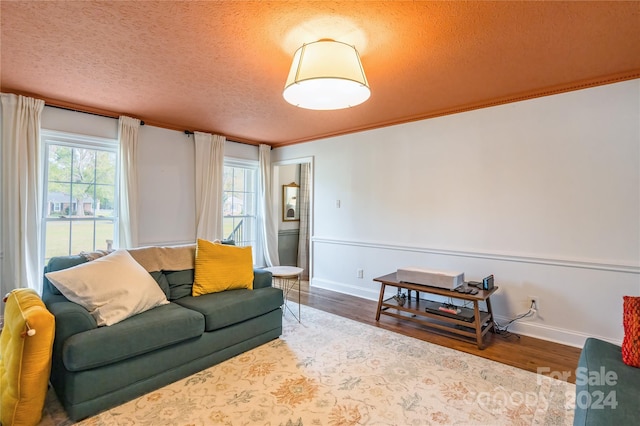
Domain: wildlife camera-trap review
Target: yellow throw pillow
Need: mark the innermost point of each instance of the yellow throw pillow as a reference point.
(221, 267)
(25, 357)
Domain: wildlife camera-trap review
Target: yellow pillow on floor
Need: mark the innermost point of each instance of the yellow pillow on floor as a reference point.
(26, 344)
(221, 267)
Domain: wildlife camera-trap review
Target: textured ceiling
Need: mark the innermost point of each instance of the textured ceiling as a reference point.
(220, 67)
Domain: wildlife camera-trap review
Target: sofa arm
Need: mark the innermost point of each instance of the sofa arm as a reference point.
(606, 388)
(71, 319)
(261, 278)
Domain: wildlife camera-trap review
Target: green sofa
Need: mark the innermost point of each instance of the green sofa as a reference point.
(607, 390)
(96, 368)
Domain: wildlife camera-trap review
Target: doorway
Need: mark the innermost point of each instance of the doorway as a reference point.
(293, 189)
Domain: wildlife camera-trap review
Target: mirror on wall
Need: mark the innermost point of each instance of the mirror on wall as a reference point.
(290, 210)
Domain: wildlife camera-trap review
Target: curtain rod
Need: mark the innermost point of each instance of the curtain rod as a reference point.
(189, 133)
(186, 132)
(86, 112)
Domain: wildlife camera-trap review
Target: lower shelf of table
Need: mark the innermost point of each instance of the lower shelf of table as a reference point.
(414, 310)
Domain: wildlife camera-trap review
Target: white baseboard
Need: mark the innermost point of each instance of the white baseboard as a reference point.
(369, 294)
(552, 334)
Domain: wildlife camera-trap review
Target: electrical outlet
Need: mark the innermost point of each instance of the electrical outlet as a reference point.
(534, 302)
(359, 273)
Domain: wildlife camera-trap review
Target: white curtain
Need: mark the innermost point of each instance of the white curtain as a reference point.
(128, 200)
(304, 203)
(209, 170)
(21, 194)
(266, 216)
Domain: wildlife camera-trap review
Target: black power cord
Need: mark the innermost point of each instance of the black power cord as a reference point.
(503, 330)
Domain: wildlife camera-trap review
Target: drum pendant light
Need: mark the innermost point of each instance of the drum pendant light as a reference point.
(326, 75)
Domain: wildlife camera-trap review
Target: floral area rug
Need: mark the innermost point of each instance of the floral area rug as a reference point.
(328, 370)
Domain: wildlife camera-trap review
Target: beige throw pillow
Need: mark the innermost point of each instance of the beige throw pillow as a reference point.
(111, 288)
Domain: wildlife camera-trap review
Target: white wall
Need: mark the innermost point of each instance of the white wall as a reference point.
(166, 173)
(166, 191)
(545, 194)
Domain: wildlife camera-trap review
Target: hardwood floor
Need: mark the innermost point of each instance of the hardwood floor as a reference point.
(523, 352)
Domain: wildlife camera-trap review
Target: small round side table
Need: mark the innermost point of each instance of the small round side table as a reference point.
(286, 277)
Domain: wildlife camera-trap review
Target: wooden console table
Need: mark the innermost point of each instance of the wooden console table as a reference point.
(413, 309)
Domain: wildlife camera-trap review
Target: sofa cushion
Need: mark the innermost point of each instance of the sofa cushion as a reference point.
(111, 288)
(58, 263)
(180, 283)
(221, 267)
(162, 281)
(233, 306)
(156, 328)
(631, 324)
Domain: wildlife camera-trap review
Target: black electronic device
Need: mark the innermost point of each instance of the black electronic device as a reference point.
(487, 283)
(449, 311)
(466, 290)
(474, 284)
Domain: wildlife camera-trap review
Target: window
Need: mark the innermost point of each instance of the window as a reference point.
(80, 210)
(239, 203)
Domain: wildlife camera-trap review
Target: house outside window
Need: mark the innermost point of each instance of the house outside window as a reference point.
(80, 210)
(239, 203)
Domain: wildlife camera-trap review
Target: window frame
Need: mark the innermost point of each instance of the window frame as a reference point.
(255, 240)
(74, 140)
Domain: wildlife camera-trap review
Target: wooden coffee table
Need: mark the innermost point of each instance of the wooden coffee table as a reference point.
(413, 309)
